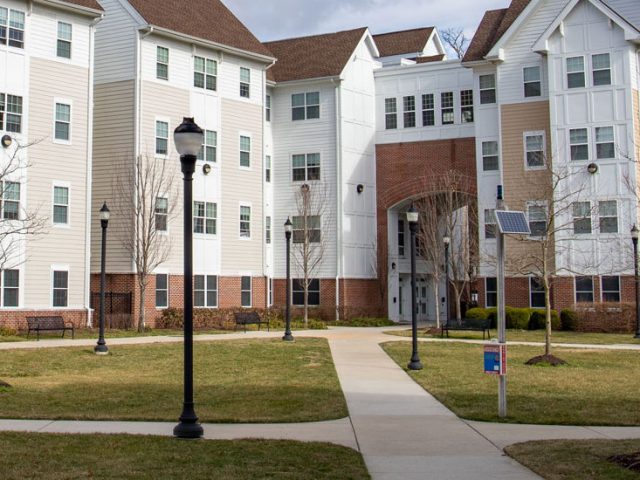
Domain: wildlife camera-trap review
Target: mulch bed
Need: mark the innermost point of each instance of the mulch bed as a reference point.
(630, 461)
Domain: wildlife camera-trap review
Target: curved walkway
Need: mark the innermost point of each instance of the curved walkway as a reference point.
(401, 430)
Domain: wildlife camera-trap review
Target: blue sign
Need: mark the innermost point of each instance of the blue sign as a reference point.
(495, 359)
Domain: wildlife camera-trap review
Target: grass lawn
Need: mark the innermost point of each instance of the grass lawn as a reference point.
(537, 336)
(264, 380)
(115, 333)
(60, 457)
(575, 459)
(596, 388)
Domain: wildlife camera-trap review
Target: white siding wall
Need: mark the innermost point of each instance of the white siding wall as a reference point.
(115, 47)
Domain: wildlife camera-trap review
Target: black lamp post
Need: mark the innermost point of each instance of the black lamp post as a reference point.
(446, 240)
(101, 347)
(188, 138)
(412, 218)
(634, 239)
(288, 228)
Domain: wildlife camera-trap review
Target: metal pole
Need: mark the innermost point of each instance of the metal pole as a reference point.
(446, 282)
(415, 363)
(502, 387)
(101, 347)
(635, 267)
(287, 334)
(188, 426)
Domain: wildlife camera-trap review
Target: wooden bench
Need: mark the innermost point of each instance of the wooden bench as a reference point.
(47, 324)
(469, 324)
(249, 318)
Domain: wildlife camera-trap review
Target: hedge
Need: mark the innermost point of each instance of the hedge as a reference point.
(538, 319)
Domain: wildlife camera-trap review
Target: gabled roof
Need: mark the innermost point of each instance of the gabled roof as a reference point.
(406, 41)
(316, 56)
(492, 27)
(209, 20)
(92, 4)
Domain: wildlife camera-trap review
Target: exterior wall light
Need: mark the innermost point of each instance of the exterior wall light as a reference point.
(6, 141)
(592, 168)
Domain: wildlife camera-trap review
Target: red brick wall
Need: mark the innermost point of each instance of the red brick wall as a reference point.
(16, 319)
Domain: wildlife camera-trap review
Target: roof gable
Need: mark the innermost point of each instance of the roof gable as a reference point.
(406, 41)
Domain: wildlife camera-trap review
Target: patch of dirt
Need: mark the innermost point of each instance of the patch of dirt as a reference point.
(433, 331)
(549, 360)
(4, 384)
(630, 461)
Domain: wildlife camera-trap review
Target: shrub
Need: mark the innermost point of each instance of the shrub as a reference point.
(478, 313)
(611, 317)
(364, 322)
(568, 319)
(538, 319)
(211, 318)
(517, 318)
(8, 332)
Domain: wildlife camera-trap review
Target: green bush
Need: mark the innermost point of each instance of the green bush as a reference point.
(538, 319)
(364, 322)
(478, 313)
(517, 318)
(569, 319)
(298, 324)
(8, 332)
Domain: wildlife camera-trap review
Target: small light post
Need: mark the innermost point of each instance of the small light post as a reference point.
(188, 138)
(288, 229)
(634, 239)
(446, 240)
(412, 218)
(101, 348)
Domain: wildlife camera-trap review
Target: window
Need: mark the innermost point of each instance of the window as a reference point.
(245, 222)
(409, 106)
(491, 291)
(601, 66)
(313, 292)
(11, 105)
(532, 82)
(205, 291)
(306, 167)
(487, 89)
(534, 149)
(390, 114)
(208, 151)
(584, 289)
(245, 291)
(162, 290)
(205, 215)
(162, 63)
(605, 147)
(428, 110)
(581, 217)
(446, 107)
(14, 20)
(401, 238)
(245, 151)
(466, 106)
(60, 288)
(610, 286)
(63, 122)
(267, 230)
(536, 293)
(267, 108)
(11, 200)
(267, 168)
(490, 158)
(305, 106)
(205, 73)
(161, 213)
(608, 213)
(10, 289)
(61, 205)
(537, 220)
(489, 223)
(245, 82)
(575, 72)
(579, 142)
(313, 228)
(162, 138)
(270, 286)
(64, 40)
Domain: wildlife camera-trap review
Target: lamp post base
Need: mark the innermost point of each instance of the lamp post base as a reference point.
(637, 335)
(101, 349)
(415, 365)
(188, 428)
(287, 337)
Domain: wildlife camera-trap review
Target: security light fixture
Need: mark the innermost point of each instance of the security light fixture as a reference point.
(6, 141)
(592, 168)
(206, 169)
(360, 188)
(446, 240)
(412, 215)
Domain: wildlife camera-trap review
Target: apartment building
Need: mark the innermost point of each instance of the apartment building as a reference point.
(46, 113)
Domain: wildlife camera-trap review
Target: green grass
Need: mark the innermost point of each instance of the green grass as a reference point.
(60, 457)
(598, 387)
(85, 333)
(364, 322)
(536, 336)
(575, 459)
(265, 380)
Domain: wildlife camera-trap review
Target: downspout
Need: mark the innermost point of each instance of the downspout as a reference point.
(89, 174)
(265, 274)
(339, 260)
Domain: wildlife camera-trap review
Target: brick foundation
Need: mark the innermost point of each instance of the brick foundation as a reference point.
(16, 319)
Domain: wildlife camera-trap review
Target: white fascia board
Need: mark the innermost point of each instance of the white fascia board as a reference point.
(71, 7)
(133, 13)
(306, 81)
(371, 44)
(511, 31)
(429, 66)
(435, 36)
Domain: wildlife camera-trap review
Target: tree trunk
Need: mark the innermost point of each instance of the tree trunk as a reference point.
(547, 312)
(142, 283)
(306, 303)
(436, 295)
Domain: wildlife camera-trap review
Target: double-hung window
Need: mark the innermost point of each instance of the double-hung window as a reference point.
(60, 205)
(162, 63)
(267, 168)
(245, 82)
(401, 238)
(608, 216)
(490, 156)
(428, 110)
(245, 291)
(536, 293)
(10, 200)
(205, 216)
(575, 72)
(487, 88)
(10, 113)
(532, 82)
(537, 220)
(209, 148)
(305, 106)
(205, 73)
(60, 288)
(584, 289)
(466, 106)
(409, 106)
(489, 223)
(63, 49)
(306, 167)
(446, 107)
(63, 122)
(534, 149)
(390, 113)
(12, 27)
(162, 138)
(601, 69)
(267, 108)
(313, 292)
(205, 291)
(605, 145)
(579, 143)
(245, 221)
(491, 291)
(581, 217)
(10, 288)
(313, 229)
(162, 290)
(245, 151)
(161, 213)
(610, 286)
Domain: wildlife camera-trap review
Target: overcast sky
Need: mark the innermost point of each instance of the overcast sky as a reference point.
(276, 19)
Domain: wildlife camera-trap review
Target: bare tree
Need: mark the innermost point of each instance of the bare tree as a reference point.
(146, 202)
(456, 40)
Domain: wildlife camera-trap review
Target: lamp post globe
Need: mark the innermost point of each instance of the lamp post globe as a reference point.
(188, 138)
(412, 218)
(288, 229)
(634, 239)
(101, 347)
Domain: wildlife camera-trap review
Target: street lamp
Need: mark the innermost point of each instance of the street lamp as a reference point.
(101, 347)
(446, 240)
(412, 218)
(288, 228)
(188, 138)
(634, 239)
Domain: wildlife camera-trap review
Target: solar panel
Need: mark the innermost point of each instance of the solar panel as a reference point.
(512, 222)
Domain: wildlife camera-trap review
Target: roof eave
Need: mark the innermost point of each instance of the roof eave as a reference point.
(304, 81)
(513, 28)
(72, 7)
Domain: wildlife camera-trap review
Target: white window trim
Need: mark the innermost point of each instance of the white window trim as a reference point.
(589, 143)
(585, 70)
(534, 98)
(167, 120)
(193, 72)
(205, 234)
(162, 272)
(602, 300)
(480, 103)
(524, 148)
(245, 134)
(20, 289)
(156, 62)
(486, 291)
(27, 25)
(64, 101)
(591, 83)
(66, 185)
(205, 275)
(245, 204)
(480, 155)
(59, 268)
(594, 225)
(594, 139)
(599, 217)
(250, 290)
(240, 82)
(306, 168)
(537, 203)
(55, 46)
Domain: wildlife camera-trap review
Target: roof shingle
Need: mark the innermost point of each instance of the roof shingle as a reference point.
(406, 41)
(93, 4)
